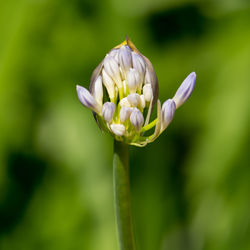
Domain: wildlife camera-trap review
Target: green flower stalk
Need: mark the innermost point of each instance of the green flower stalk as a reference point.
(123, 91)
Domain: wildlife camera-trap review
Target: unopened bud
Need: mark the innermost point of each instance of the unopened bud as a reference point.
(148, 92)
(138, 63)
(98, 90)
(118, 129)
(108, 110)
(124, 102)
(112, 68)
(134, 79)
(109, 84)
(125, 58)
(134, 99)
(142, 102)
(125, 113)
(87, 99)
(168, 110)
(185, 90)
(114, 53)
(136, 119)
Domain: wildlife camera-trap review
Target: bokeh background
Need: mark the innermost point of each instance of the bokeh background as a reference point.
(190, 189)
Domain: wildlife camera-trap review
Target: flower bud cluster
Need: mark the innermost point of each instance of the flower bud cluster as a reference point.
(123, 91)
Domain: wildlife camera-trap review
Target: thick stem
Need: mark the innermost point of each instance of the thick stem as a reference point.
(122, 196)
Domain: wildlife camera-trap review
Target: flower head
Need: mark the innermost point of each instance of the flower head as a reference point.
(124, 89)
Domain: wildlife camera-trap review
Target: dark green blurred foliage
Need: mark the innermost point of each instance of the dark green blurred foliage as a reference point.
(190, 189)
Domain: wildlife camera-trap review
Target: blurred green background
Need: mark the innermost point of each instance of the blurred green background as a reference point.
(190, 189)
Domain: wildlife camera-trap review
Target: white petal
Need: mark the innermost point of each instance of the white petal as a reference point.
(118, 129)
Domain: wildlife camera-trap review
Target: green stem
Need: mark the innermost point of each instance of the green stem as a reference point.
(149, 126)
(122, 196)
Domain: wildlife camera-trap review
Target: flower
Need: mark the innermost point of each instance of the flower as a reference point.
(123, 91)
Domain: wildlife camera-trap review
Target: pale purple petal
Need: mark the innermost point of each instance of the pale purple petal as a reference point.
(185, 90)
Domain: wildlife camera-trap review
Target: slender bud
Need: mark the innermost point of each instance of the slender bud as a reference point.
(138, 63)
(134, 99)
(125, 58)
(136, 119)
(98, 90)
(108, 110)
(114, 53)
(112, 68)
(168, 110)
(125, 113)
(148, 92)
(118, 129)
(134, 79)
(124, 102)
(87, 99)
(109, 84)
(147, 76)
(142, 102)
(185, 90)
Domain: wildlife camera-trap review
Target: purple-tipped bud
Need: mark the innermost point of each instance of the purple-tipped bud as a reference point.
(118, 129)
(136, 119)
(108, 110)
(134, 79)
(138, 63)
(125, 58)
(87, 99)
(125, 113)
(168, 110)
(185, 90)
(134, 99)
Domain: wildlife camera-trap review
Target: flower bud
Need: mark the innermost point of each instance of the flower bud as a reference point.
(185, 90)
(125, 59)
(114, 53)
(112, 68)
(87, 99)
(168, 110)
(109, 84)
(118, 129)
(134, 99)
(148, 92)
(136, 119)
(142, 102)
(125, 113)
(108, 110)
(98, 90)
(134, 79)
(124, 102)
(138, 63)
